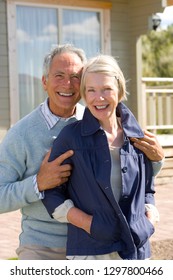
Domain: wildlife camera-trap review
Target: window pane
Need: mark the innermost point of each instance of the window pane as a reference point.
(36, 33)
(83, 29)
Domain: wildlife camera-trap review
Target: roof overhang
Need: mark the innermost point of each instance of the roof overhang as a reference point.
(166, 3)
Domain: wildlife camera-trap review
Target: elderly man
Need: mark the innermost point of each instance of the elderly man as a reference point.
(24, 168)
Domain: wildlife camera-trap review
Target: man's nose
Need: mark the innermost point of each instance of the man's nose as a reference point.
(67, 81)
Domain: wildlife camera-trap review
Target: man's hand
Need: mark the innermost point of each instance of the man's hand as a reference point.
(150, 146)
(53, 174)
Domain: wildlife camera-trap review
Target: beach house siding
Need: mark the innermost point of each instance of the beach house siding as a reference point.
(130, 20)
(4, 76)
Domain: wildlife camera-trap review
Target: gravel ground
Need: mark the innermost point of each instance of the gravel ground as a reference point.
(162, 249)
(161, 241)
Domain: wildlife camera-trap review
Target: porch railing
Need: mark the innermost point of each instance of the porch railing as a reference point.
(157, 104)
(156, 111)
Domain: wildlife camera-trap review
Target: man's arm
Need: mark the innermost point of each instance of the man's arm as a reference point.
(152, 149)
(16, 188)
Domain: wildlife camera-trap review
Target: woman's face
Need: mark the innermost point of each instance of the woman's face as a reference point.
(101, 96)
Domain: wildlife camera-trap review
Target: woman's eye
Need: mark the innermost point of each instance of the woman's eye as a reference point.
(106, 89)
(91, 90)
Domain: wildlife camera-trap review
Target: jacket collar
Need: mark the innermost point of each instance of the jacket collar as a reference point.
(129, 123)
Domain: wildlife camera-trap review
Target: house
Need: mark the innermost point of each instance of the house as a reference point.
(29, 28)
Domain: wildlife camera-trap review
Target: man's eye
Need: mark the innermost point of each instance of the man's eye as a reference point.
(58, 76)
(75, 77)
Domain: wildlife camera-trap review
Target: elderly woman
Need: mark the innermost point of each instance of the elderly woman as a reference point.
(108, 201)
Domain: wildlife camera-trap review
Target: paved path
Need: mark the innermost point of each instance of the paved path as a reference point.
(9, 232)
(164, 203)
(10, 223)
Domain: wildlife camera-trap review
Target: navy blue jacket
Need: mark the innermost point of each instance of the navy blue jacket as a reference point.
(122, 226)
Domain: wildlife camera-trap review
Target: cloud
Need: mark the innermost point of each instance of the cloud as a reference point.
(23, 37)
(88, 27)
(49, 33)
(50, 29)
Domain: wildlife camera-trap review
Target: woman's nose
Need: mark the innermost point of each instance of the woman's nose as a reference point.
(99, 95)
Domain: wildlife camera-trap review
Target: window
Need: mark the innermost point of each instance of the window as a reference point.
(34, 39)
(37, 29)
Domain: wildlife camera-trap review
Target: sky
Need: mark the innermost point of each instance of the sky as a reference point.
(166, 17)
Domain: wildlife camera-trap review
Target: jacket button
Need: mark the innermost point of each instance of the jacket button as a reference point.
(124, 169)
(125, 197)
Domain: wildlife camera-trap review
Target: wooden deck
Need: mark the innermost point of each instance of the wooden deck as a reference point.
(166, 174)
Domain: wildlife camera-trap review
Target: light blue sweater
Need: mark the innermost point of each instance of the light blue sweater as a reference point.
(21, 154)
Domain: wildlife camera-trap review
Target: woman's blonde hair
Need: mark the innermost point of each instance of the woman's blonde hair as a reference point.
(108, 65)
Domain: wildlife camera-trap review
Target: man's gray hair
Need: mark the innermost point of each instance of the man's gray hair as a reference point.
(59, 49)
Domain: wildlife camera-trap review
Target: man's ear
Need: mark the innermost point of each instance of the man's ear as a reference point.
(44, 83)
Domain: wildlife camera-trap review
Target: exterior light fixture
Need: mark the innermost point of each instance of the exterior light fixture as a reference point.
(156, 20)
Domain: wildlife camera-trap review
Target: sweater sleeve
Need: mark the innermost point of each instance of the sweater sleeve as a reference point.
(16, 188)
(149, 182)
(157, 166)
(53, 198)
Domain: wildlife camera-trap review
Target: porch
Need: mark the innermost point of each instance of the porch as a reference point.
(157, 116)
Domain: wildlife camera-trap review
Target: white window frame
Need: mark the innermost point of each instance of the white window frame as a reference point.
(102, 7)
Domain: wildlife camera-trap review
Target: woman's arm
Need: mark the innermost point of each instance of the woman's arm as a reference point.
(79, 219)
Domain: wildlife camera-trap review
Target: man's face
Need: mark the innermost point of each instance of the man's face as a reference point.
(63, 84)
